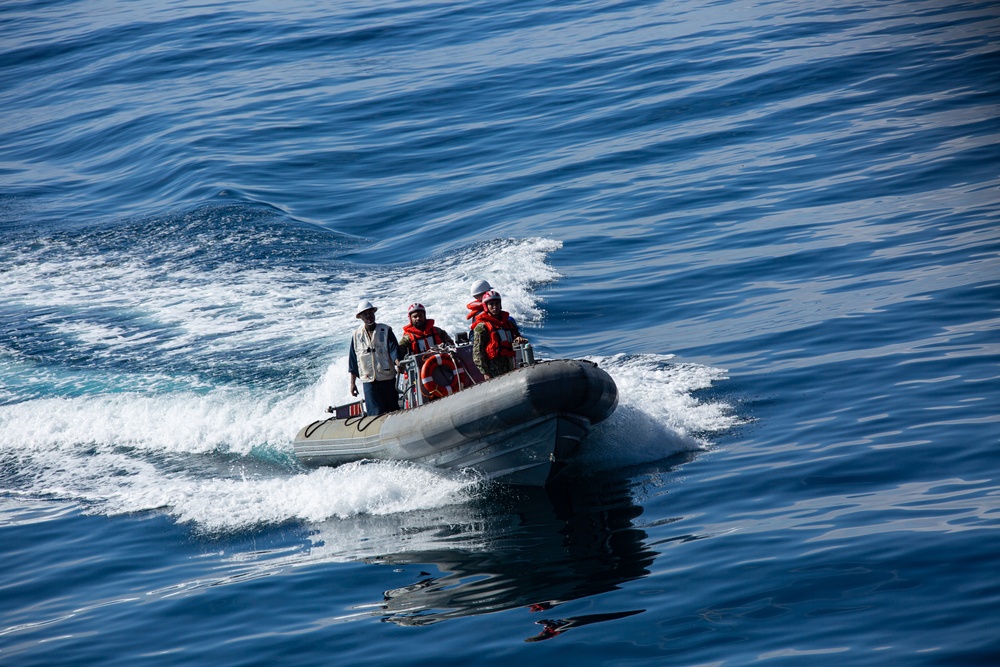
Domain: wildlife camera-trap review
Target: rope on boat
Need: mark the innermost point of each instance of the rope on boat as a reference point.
(361, 429)
(315, 425)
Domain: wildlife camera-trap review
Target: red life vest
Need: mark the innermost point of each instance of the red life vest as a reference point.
(502, 333)
(423, 340)
(475, 307)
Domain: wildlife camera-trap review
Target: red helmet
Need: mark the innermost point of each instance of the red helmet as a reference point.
(414, 307)
(492, 295)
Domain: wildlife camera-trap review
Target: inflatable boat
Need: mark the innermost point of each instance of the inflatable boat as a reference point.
(519, 428)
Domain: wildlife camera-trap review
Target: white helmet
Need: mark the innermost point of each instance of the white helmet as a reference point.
(479, 287)
(364, 305)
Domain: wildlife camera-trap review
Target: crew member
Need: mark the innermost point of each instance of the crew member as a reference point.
(420, 334)
(494, 337)
(478, 289)
(374, 353)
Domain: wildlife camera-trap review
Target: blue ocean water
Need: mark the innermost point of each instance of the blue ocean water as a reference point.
(774, 223)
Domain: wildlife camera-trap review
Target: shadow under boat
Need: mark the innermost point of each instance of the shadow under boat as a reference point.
(541, 549)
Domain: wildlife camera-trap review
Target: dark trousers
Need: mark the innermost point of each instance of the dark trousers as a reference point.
(380, 397)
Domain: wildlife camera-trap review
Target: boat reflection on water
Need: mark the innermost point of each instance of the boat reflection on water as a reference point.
(553, 627)
(537, 550)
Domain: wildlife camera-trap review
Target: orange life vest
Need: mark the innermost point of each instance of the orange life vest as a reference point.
(475, 307)
(423, 340)
(502, 332)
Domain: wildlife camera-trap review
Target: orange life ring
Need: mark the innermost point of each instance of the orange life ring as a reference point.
(439, 376)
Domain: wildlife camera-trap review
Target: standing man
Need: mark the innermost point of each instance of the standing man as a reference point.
(494, 338)
(374, 353)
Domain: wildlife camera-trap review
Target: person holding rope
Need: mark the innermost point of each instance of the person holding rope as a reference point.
(373, 358)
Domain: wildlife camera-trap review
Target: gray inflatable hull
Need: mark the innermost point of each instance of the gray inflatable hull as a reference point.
(520, 428)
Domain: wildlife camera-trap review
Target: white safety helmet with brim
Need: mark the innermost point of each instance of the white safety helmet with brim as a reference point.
(479, 287)
(364, 305)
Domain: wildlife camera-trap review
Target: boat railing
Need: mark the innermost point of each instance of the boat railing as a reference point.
(355, 409)
(524, 355)
(437, 372)
(414, 369)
